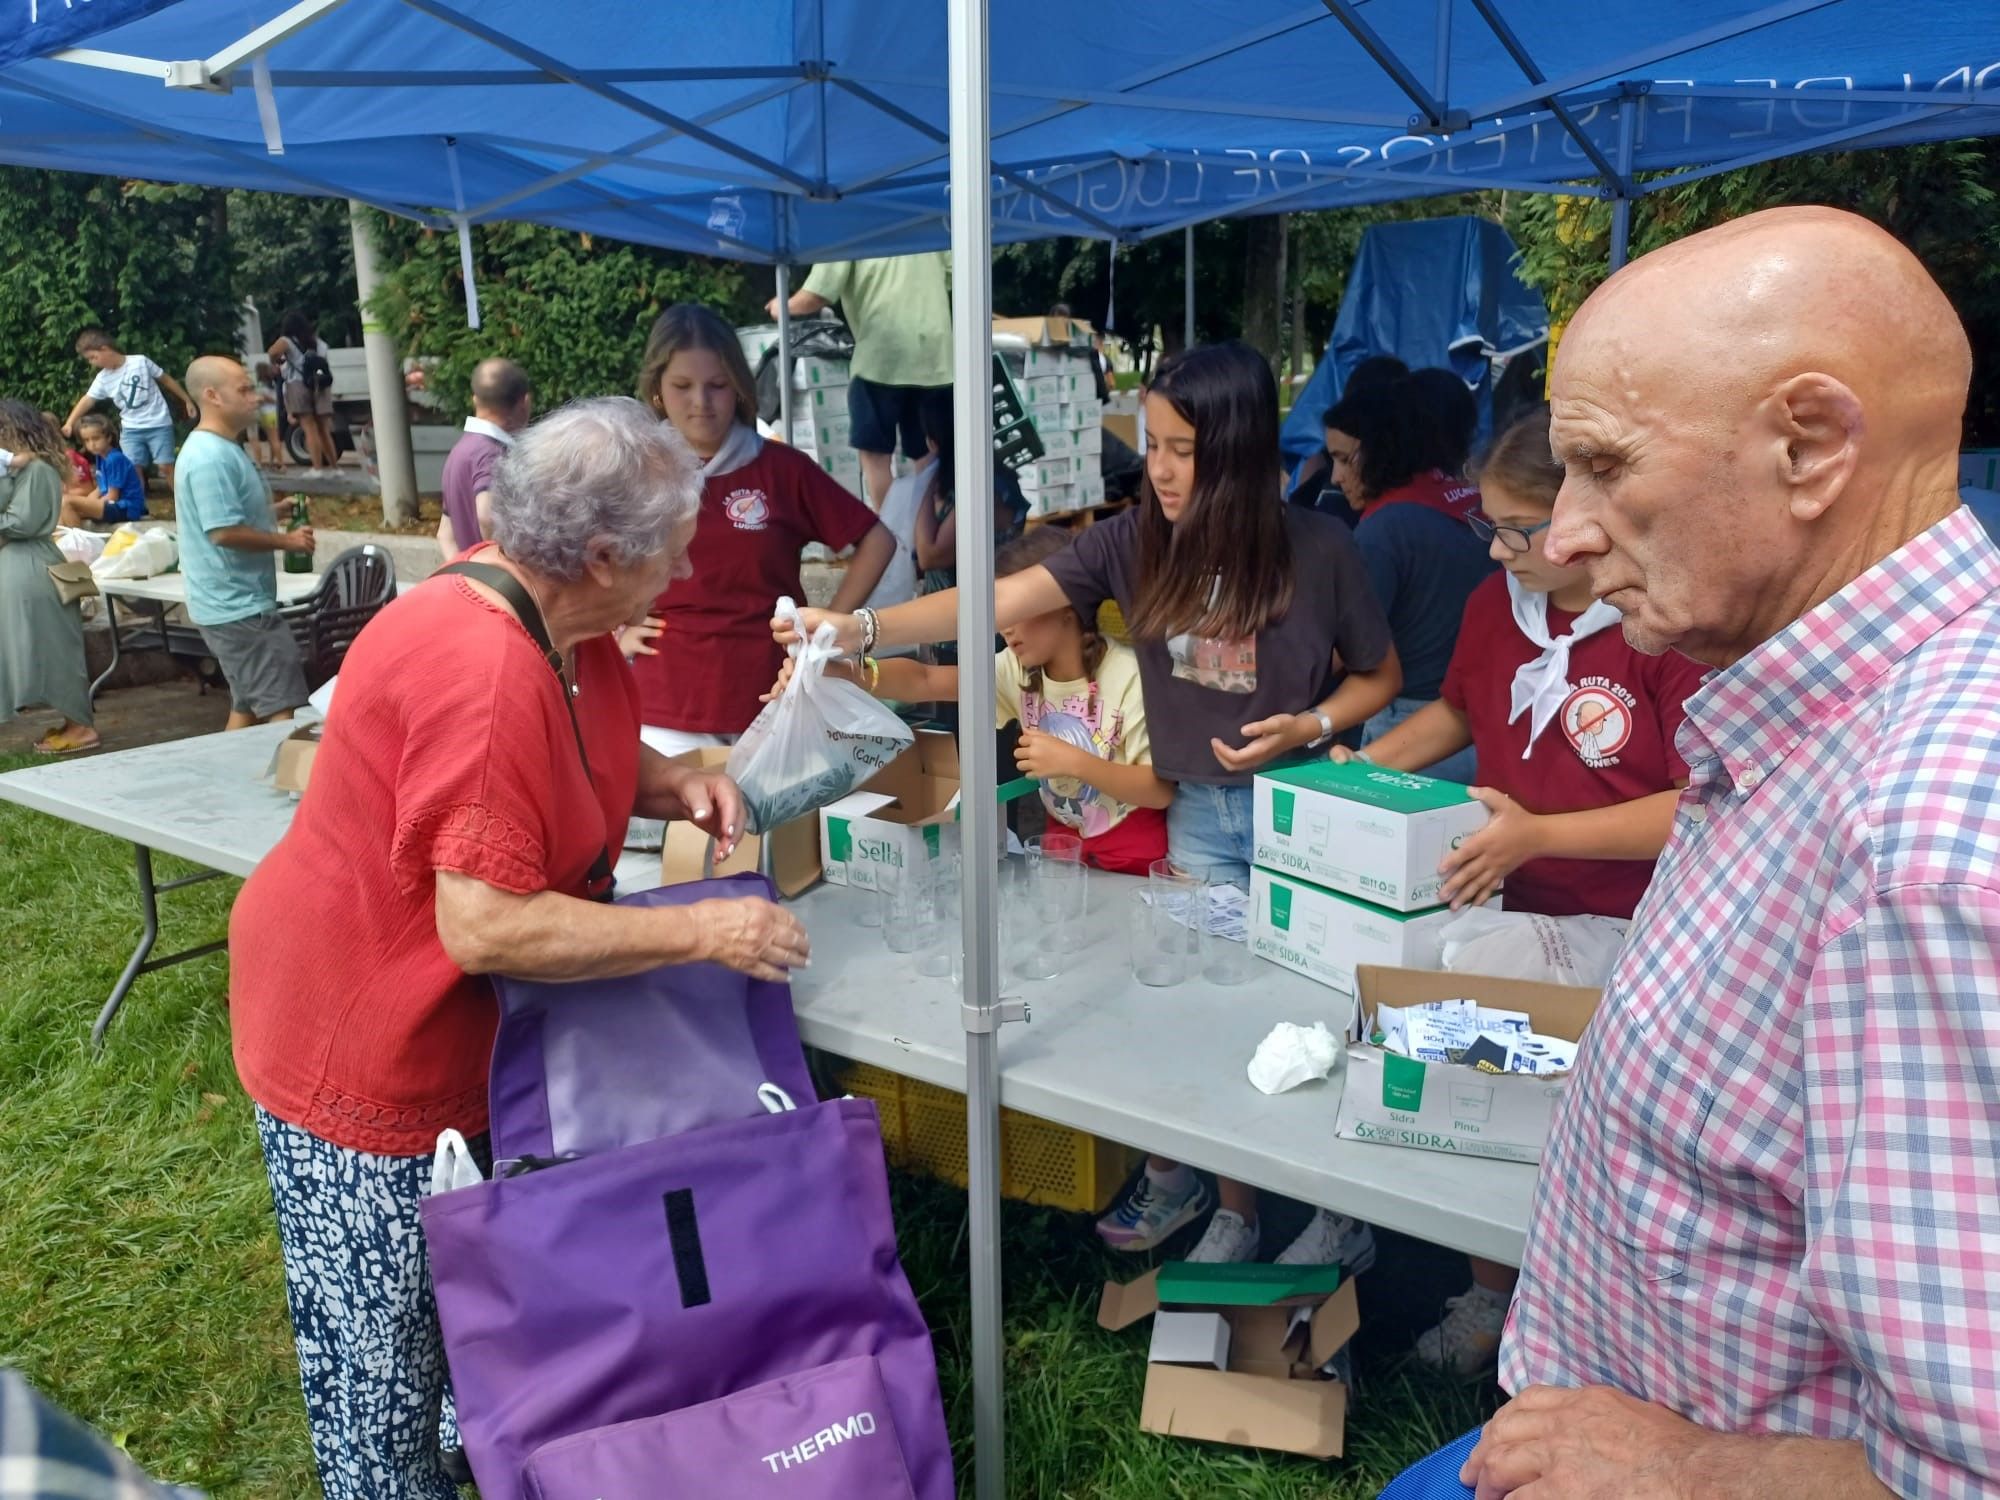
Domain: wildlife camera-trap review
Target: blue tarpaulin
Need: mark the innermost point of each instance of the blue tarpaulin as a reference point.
(1431, 292)
(799, 130)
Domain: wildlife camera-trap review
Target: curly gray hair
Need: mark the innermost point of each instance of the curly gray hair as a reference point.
(602, 472)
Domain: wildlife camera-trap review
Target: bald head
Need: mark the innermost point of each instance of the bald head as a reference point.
(1749, 419)
(224, 392)
(500, 392)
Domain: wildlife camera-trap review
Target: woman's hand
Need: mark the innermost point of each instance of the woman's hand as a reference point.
(753, 936)
(1342, 755)
(714, 804)
(635, 640)
(846, 628)
(1512, 836)
(1266, 740)
(1043, 755)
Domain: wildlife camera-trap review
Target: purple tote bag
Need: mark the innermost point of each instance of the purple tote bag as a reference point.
(717, 1313)
(586, 1067)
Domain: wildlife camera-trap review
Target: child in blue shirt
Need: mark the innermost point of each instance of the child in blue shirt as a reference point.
(121, 493)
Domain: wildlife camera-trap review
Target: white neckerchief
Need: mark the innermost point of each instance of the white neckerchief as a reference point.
(480, 427)
(742, 445)
(1543, 684)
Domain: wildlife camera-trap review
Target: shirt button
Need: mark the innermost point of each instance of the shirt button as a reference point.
(1752, 780)
(1697, 813)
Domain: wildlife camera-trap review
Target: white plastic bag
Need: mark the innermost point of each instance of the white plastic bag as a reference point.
(78, 545)
(452, 1166)
(152, 551)
(1524, 945)
(816, 742)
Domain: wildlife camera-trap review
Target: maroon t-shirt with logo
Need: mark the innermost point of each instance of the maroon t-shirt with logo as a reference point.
(1612, 741)
(716, 655)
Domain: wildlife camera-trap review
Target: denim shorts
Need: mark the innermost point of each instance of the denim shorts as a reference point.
(1209, 831)
(1457, 767)
(148, 445)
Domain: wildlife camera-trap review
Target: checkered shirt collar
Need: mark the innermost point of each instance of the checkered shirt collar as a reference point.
(1751, 715)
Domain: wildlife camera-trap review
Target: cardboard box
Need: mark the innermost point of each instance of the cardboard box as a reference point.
(1047, 415)
(1050, 332)
(907, 807)
(1090, 441)
(1190, 1338)
(1361, 830)
(291, 764)
(1285, 1324)
(1083, 410)
(1400, 1101)
(826, 402)
(1326, 936)
(817, 372)
(1058, 442)
(1124, 425)
(788, 854)
(1043, 390)
(1045, 360)
(1090, 491)
(1046, 473)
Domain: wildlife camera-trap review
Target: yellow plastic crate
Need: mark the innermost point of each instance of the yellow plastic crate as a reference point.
(923, 1130)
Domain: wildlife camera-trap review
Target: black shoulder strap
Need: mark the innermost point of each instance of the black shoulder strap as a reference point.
(599, 882)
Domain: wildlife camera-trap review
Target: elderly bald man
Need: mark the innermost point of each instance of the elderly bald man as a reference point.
(503, 402)
(1765, 1254)
(227, 533)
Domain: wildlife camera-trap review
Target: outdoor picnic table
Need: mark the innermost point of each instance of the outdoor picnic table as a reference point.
(158, 594)
(1158, 1069)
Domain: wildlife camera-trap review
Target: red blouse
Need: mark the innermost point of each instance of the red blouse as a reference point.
(447, 748)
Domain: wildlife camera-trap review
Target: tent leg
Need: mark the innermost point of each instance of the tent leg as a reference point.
(972, 419)
(395, 461)
(785, 351)
(1187, 292)
(1621, 203)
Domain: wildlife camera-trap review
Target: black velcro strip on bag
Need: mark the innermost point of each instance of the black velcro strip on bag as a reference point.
(684, 1235)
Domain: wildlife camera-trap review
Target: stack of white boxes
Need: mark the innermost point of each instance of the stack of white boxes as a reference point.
(1061, 396)
(820, 423)
(1346, 867)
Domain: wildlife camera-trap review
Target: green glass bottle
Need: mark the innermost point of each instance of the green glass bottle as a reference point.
(299, 562)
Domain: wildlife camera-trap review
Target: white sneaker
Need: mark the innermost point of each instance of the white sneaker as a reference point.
(1331, 1239)
(1227, 1241)
(1467, 1342)
(1152, 1213)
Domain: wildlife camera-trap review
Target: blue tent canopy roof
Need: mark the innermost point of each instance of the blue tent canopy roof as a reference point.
(811, 129)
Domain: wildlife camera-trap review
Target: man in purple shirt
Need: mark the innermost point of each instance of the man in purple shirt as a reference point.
(502, 403)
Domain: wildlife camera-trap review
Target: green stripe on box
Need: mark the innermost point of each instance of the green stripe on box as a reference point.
(1357, 781)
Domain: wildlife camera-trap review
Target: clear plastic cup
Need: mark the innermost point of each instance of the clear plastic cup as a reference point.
(1161, 955)
(902, 894)
(938, 934)
(1224, 960)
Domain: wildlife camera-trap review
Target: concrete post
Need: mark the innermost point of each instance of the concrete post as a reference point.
(389, 411)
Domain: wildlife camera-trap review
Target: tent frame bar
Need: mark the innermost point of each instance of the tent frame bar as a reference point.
(1433, 109)
(1524, 60)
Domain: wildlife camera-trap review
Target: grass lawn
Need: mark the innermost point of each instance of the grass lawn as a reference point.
(140, 1284)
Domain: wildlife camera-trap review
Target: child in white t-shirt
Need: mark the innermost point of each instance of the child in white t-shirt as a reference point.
(133, 384)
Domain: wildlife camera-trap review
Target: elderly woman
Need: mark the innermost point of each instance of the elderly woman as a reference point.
(461, 806)
(41, 638)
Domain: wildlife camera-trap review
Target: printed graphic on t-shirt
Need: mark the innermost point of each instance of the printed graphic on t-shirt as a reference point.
(1597, 720)
(748, 510)
(1078, 720)
(1206, 661)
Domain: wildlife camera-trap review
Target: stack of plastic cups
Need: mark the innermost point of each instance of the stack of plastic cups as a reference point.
(1223, 961)
(1165, 927)
(1052, 905)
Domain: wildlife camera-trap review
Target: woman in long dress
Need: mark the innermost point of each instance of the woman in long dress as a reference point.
(41, 638)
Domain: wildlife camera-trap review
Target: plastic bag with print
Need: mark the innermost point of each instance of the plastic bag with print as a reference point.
(815, 742)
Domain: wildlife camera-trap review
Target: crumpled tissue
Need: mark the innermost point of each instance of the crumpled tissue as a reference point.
(1292, 1055)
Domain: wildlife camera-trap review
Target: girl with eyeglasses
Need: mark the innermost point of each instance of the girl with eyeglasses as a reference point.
(1573, 730)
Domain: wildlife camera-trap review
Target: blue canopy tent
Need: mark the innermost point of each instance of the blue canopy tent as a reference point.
(1431, 292)
(789, 131)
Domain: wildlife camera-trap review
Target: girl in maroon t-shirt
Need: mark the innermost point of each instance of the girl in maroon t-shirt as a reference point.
(1574, 733)
(707, 654)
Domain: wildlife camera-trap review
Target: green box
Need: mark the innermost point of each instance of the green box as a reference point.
(1361, 830)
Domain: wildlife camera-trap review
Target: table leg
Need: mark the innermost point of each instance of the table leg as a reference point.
(111, 620)
(141, 961)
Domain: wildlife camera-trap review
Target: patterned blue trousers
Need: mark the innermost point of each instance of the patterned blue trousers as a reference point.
(371, 1357)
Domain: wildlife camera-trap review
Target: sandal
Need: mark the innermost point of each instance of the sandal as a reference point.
(54, 743)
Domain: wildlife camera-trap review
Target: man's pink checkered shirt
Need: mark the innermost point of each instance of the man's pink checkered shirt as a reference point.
(1772, 1197)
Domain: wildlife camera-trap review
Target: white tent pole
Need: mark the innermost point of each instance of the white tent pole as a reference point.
(1621, 202)
(395, 463)
(972, 422)
(1187, 269)
(785, 351)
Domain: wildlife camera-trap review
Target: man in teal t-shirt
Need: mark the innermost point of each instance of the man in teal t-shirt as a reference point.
(227, 534)
(899, 309)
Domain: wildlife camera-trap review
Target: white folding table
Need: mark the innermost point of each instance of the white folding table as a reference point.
(1159, 1069)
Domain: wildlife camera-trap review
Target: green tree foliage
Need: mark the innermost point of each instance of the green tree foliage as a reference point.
(1943, 201)
(296, 253)
(153, 264)
(572, 310)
